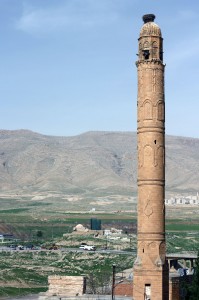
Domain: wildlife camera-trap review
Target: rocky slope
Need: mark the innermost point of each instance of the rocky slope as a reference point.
(93, 161)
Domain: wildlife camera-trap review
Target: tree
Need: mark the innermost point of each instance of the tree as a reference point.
(193, 289)
(39, 234)
(98, 282)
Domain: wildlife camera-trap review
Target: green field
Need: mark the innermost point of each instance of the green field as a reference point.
(27, 272)
(31, 270)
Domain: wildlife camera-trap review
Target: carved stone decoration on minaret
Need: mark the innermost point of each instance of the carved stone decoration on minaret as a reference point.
(151, 278)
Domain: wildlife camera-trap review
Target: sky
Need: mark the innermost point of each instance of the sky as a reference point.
(68, 66)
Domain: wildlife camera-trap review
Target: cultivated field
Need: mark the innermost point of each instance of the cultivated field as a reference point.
(27, 271)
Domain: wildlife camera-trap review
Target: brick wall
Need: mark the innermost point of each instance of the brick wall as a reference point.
(176, 286)
(124, 289)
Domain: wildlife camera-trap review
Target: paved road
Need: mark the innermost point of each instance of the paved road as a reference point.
(133, 252)
(100, 251)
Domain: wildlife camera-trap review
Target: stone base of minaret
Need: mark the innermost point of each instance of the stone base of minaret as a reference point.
(152, 284)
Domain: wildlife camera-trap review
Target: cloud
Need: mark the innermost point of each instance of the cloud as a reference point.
(71, 15)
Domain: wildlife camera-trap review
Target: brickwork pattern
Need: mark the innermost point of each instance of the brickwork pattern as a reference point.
(124, 289)
(174, 288)
(65, 285)
(150, 268)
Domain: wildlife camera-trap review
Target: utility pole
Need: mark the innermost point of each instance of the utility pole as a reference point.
(113, 282)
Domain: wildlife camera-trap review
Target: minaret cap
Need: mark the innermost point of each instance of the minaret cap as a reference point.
(148, 18)
(150, 28)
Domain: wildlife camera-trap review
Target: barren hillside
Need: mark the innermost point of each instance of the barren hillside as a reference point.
(91, 162)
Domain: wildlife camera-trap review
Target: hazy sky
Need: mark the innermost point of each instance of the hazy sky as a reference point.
(68, 66)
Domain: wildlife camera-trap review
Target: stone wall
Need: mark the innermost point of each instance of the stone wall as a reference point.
(65, 285)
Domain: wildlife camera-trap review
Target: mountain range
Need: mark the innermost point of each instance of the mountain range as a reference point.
(92, 162)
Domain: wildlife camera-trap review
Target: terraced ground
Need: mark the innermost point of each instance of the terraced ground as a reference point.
(24, 272)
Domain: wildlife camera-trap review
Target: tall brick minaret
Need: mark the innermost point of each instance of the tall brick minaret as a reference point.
(150, 280)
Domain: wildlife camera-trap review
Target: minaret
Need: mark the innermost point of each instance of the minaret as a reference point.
(150, 280)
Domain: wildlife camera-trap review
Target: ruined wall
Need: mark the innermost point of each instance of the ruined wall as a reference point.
(65, 285)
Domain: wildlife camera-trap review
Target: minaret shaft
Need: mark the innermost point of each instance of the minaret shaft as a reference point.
(150, 268)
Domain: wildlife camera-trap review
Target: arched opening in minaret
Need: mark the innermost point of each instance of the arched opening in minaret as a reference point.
(160, 110)
(155, 50)
(145, 51)
(161, 55)
(148, 110)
